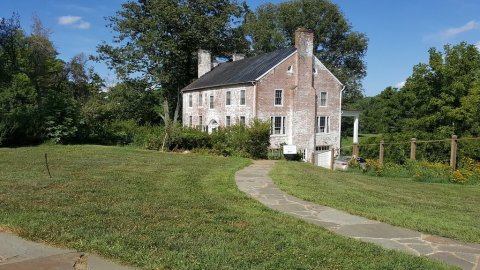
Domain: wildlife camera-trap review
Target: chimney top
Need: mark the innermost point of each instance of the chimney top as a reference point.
(204, 62)
(238, 56)
(304, 40)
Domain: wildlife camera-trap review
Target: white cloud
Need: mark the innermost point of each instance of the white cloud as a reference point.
(74, 21)
(400, 84)
(451, 32)
(478, 45)
(68, 20)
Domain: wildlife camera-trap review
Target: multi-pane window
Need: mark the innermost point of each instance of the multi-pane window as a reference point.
(228, 121)
(278, 97)
(323, 99)
(228, 98)
(322, 147)
(200, 99)
(242, 97)
(190, 100)
(200, 121)
(323, 124)
(242, 120)
(190, 121)
(211, 101)
(278, 125)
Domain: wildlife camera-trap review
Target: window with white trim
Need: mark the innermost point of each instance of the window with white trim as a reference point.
(242, 97)
(211, 102)
(323, 124)
(242, 120)
(228, 98)
(190, 100)
(278, 97)
(228, 120)
(323, 99)
(200, 121)
(200, 99)
(290, 69)
(278, 125)
(190, 121)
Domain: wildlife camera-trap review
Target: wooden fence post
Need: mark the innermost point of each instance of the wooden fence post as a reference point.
(355, 150)
(382, 150)
(453, 152)
(413, 148)
(332, 159)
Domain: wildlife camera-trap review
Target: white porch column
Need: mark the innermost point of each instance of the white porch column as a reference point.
(355, 130)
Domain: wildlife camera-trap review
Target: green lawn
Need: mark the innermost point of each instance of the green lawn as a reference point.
(441, 209)
(166, 211)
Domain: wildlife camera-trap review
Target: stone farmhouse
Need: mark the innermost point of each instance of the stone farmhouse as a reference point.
(290, 87)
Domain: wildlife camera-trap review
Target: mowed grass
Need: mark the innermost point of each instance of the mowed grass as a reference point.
(166, 211)
(441, 209)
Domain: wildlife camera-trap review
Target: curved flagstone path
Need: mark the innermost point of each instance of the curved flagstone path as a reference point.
(254, 180)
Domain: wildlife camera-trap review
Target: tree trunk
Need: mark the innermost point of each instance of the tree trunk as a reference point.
(177, 108)
(166, 113)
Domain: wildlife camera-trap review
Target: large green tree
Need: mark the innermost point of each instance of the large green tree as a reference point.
(272, 26)
(36, 96)
(157, 41)
(441, 97)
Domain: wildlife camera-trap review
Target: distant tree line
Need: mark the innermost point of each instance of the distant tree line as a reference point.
(441, 97)
(45, 98)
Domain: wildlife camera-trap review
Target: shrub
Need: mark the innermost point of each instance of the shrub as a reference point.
(149, 137)
(374, 166)
(188, 138)
(258, 139)
(432, 172)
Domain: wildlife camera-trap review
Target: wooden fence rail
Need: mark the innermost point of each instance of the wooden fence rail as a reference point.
(413, 148)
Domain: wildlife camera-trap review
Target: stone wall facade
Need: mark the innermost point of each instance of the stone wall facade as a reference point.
(220, 109)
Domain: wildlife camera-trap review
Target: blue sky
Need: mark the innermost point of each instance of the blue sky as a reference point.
(400, 32)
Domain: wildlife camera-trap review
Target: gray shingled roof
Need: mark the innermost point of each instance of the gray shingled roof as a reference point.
(242, 71)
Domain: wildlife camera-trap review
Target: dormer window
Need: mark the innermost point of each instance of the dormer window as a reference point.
(290, 69)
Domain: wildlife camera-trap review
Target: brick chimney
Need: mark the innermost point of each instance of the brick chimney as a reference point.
(238, 56)
(304, 45)
(204, 62)
(304, 98)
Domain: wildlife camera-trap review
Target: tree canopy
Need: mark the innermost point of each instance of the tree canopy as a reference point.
(272, 26)
(40, 95)
(440, 97)
(158, 40)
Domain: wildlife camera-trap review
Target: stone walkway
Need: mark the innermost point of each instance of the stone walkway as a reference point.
(254, 180)
(19, 254)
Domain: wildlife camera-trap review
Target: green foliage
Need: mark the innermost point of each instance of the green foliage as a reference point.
(258, 138)
(440, 97)
(188, 138)
(158, 42)
(272, 26)
(397, 147)
(41, 97)
(237, 140)
(468, 171)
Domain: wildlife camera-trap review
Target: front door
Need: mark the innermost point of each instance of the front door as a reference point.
(212, 126)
